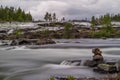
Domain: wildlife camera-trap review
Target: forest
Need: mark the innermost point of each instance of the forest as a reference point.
(14, 14)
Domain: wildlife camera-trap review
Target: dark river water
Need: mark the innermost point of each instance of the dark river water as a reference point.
(22, 63)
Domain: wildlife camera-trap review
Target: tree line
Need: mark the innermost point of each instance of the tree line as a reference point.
(52, 17)
(13, 14)
(105, 19)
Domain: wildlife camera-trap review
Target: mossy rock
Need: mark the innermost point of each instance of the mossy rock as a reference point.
(2, 77)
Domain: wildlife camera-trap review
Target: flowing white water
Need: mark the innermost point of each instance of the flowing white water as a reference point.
(40, 64)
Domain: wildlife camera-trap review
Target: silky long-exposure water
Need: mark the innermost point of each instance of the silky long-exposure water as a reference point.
(40, 64)
(23, 63)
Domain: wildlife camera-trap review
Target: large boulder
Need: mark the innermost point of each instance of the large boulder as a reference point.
(106, 68)
(90, 63)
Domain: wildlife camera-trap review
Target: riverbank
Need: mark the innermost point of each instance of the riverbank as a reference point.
(60, 30)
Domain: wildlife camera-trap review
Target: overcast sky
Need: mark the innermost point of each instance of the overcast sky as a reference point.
(71, 9)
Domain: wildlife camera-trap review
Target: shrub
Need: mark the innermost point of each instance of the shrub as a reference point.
(67, 30)
(52, 78)
(70, 78)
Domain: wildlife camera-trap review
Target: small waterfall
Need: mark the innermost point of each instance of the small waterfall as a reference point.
(17, 48)
(20, 47)
(71, 62)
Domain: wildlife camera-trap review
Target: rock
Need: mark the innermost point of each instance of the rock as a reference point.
(14, 42)
(73, 78)
(45, 41)
(32, 42)
(25, 42)
(106, 68)
(90, 63)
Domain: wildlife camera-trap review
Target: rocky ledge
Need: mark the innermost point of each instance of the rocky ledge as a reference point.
(17, 42)
(72, 78)
(32, 42)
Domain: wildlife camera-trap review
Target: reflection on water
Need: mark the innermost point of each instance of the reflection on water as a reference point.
(40, 64)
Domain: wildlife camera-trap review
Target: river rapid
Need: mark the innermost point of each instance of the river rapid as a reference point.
(24, 63)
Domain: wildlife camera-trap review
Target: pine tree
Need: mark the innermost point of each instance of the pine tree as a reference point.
(54, 17)
(28, 17)
(50, 17)
(46, 17)
(11, 14)
(19, 15)
(63, 19)
(1, 14)
(93, 22)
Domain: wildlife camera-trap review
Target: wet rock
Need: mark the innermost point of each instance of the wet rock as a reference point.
(14, 42)
(102, 68)
(2, 77)
(90, 63)
(106, 68)
(32, 42)
(24, 42)
(74, 78)
(45, 41)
